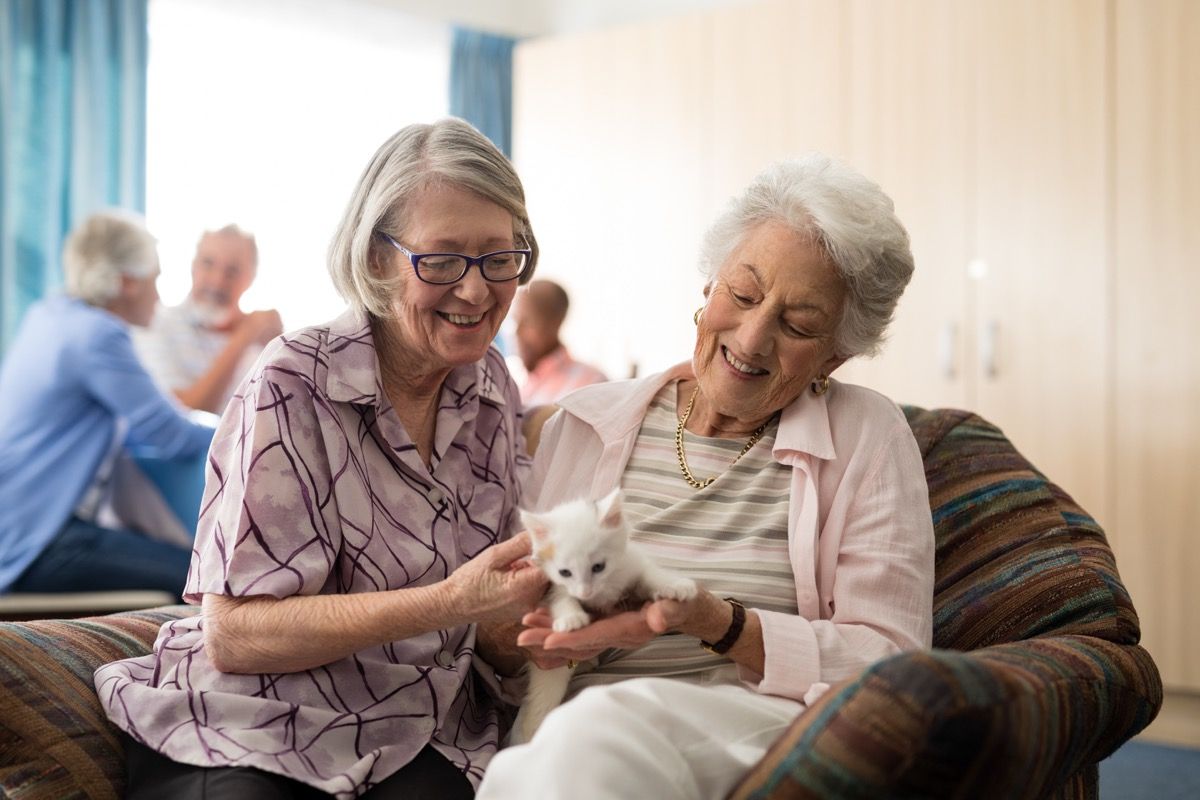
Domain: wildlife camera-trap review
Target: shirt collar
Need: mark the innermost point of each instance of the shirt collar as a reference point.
(354, 369)
(551, 362)
(804, 428)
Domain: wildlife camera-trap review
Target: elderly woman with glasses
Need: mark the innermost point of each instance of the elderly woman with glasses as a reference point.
(354, 534)
(797, 502)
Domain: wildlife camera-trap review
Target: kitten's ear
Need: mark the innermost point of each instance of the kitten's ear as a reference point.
(608, 509)
(536, 526)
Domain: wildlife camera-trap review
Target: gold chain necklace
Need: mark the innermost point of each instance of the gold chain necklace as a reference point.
(683, 467)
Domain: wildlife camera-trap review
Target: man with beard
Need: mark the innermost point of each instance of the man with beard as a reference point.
(202, 348)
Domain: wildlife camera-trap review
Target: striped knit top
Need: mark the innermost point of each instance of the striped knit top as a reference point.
(731, 536)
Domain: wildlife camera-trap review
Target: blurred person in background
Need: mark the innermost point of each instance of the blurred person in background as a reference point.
(201, 348)
(539, 313)
(73, 399)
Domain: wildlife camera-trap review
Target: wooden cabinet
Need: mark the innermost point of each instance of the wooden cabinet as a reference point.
(910, 91)
(1156, 225)
(987, 124)
(778, 88)
(1041, 222)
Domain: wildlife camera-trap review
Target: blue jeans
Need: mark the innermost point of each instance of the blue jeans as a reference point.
(85, 557)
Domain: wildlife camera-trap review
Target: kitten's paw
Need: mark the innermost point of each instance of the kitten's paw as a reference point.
(676, 589)
(571, 621)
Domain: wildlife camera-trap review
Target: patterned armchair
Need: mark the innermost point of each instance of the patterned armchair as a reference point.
(1036, 677)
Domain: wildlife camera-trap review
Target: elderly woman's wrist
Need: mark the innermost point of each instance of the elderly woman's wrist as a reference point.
(452, 604)
(712, 618)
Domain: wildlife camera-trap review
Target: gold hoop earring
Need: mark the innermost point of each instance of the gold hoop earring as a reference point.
(696, 316)
(821, 385)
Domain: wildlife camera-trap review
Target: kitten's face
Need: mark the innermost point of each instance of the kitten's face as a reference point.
(578, 545)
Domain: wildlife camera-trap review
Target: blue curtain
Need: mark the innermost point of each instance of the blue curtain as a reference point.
(72, 132)
(481, 84)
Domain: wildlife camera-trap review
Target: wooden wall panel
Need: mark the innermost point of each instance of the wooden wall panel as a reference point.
(1041, 220)
(1157, 285)
(610, 129)
(778, 87)
(911, 93)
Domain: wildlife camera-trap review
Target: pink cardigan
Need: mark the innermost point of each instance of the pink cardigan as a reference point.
(860, 534)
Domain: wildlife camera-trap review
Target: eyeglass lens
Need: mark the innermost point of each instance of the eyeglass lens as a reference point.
(449, 268)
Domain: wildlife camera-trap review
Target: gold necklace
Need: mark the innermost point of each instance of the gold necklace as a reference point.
(683, 467)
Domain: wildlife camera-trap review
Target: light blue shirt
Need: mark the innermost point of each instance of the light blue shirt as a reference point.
(69, 377)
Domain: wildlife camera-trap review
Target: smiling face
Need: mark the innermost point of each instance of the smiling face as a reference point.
(447, 326)
(767, 329)
(222, 271)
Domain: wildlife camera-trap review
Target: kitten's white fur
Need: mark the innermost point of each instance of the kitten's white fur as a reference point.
(584, 549)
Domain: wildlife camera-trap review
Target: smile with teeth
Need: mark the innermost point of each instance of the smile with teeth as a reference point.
(740, 366)
(461, 319)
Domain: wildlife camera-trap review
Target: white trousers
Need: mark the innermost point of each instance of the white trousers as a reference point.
(655, 738)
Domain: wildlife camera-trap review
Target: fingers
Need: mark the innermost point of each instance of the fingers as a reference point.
(664, 615)
(506, 552)
(623, 630)
(532, 637)
(531, 582)
(538, 618)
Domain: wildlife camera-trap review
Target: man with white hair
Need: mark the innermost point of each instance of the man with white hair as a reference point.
(201, 348)
(73, 399)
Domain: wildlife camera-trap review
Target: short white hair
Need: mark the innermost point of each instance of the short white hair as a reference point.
(450, 151)
(852, 220)
(104, 247)
(236, 231)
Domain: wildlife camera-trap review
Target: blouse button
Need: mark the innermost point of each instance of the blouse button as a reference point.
(436, 496)
(444, 659)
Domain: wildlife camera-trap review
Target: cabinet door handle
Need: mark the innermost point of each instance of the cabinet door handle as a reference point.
(987, 348)
(947, 349)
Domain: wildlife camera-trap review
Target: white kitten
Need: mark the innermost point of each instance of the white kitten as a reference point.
(584, 549)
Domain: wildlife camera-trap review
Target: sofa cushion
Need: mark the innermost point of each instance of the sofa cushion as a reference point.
(1016, 556)
(1027, 719)
(55, 741)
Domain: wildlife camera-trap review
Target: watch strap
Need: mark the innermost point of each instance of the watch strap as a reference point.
(738, 622)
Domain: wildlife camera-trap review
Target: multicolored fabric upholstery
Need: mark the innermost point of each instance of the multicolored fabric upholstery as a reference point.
(1037, 675)
(55, 741)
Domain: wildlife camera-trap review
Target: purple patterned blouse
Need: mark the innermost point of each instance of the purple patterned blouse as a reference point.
(314, 487)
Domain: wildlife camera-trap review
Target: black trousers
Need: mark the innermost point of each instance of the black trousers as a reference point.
(153, 776)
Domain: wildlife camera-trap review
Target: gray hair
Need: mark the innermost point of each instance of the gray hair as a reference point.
(853, 221)
(449, 151)
(104, 247)
(235, 230)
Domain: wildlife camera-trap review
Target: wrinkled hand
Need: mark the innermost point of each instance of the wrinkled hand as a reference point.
(626, 631)
(497, 585)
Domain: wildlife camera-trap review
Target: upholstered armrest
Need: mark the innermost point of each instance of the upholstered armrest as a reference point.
(1012, 720)
(55, 740)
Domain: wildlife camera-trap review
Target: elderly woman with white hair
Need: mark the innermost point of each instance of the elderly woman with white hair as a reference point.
(73, 400)
(355, 528)
(798, 504)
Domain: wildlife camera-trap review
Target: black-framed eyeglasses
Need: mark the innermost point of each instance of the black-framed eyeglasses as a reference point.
(443, 268)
